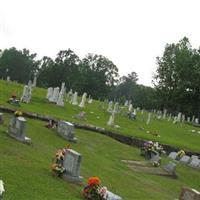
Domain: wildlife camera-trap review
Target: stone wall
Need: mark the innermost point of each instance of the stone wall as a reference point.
(136, 142)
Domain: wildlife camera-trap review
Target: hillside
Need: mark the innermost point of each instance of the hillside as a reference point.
(26, 169)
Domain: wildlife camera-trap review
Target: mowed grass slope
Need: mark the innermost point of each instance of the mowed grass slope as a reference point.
(179, 135)
(26, 169)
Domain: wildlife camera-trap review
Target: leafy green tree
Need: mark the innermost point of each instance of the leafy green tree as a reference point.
(177, 79)
(99, 75)
(19, 65)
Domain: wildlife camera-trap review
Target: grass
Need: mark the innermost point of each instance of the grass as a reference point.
(25, 169)
(179, 135)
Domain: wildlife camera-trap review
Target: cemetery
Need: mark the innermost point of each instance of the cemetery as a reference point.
(125, 171)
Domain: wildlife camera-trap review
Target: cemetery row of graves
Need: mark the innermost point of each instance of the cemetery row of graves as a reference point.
(149, 165)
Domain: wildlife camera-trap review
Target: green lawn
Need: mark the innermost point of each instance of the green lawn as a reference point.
(179, 135)
(25, 169)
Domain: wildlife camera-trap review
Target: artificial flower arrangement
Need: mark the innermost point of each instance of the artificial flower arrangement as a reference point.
(93, 191)
(57, 166)
(150, 149)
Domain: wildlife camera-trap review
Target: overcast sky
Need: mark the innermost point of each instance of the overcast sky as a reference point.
(131, 33)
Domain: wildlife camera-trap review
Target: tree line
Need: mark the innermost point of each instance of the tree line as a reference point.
(94, 74)
(176, 80)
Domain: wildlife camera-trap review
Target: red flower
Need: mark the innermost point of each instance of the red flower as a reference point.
(94, 181)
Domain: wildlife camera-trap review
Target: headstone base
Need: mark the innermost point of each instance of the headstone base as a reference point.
(25, 140)
(112, 196)
(73, 179)
(69, 139)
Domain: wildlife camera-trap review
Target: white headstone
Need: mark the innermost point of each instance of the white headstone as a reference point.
(55, 95)
(172, 155)
(74, 99)
(164, 113)
(26, 96)
(126, 103)
(148, 119)
(111, 120)
(194, 162)
(34, 80)
(112, 196)
(179, 117)
(130, 108)
(69, 96)
(8, 78)
(185, 159)
(175, 120)
(188, 119)
(60, 101)
(82, 104)
(49, 93)
(110, 106)
(2, 190)
(196, 120)
(116, 107)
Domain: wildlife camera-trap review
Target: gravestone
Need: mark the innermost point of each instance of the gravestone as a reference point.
(2, 190)
(110, 106)
(185, 159)
(1, 118)
(155, 158)
(60, 101)
(35, 80)
(16, 129)
(130, 108)
(172, 155)
(72, 163)
(74, 99)
(126, 103)
(82, 104)
(69, 95)
(188, 119)
(148, 119)
(112, 196)
(54, 97)
(179, 117)
(194, 162)
(66, 130)
(193, 118)
(111, 120)
(170, 168)
(196, 120)
(164, 113)
(189, 194)
(26, 96)
(49, 93)
(8, 78)
(90, 101)
(175, 120)
(183, 119)
(116, 107)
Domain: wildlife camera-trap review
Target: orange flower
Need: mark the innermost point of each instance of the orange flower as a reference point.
(94, 181)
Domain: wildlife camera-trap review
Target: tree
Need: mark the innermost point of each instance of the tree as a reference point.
(19, 65)
(177, 79)
(100, 75)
